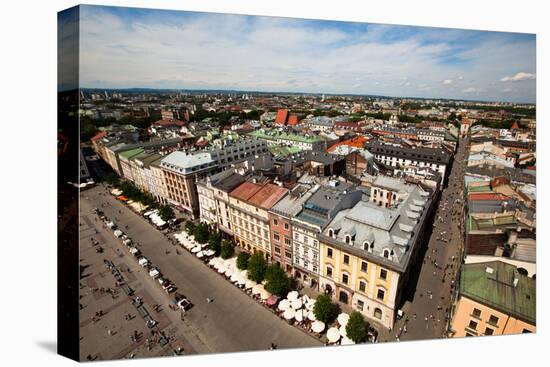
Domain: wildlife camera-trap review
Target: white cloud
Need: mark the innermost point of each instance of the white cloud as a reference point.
(518, 77)
(507, 90)
(214, 51)
(470, 90)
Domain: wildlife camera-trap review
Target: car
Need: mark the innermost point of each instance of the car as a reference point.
(170, 289)
(184, 304)
(155, 273)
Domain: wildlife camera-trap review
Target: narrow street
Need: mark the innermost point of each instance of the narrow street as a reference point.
(425, 316)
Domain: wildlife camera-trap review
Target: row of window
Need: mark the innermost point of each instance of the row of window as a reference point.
(364, 265)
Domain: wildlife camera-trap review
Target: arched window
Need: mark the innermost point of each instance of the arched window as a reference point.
(386, 254)
(331, 233)
(348, 239)
(366, 245)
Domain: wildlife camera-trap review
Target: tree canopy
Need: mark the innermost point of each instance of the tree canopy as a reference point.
(277, 281)
(166, 213)
(324, 310)
(242, 260)
(357, 328)
(257, 267)
(215, 240)
(227, 249)
(202, 232)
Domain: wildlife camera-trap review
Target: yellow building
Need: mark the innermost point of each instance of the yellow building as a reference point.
(494, 299)
(367, 251)
(249, 205)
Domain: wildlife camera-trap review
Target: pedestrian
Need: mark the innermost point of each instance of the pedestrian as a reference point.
(110, 332)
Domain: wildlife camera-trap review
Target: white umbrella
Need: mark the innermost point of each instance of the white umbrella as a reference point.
(264, 295)
(200, 254)
(217, 264)
(309, 304)
(343, 318)
(296, 304)
(212, 262)
(305, 298)
(228, 272)
(346, 341)
(289, 314)
(234, 277)
(342, 331)
(222, 269)
(299, 315)
(249, 284)
(257, 289)
(318, 327)
(241, 280)
(195, 249)
(333, 335)
(311, 316)
(209, 252)
(292, 295)
(244, 273)
(284, 305)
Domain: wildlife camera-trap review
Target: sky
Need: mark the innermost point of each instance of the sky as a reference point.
(131, 48)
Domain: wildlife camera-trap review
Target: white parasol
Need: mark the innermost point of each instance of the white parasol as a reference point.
(212, 261)
(195, 249)
(311, 316)
(342, 331)
(296, 304)
(299, 315)
(200, 254)
(228, 272)
(249, 284)
(292, 295)
(234, 277)
(289, 314)
(264, 294)
(284, 305)
(318, 327)
(309, 304)
(257, 289)
(333, 335)
(343, 319)
(222, 269)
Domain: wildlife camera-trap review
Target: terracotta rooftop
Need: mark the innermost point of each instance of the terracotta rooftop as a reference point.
(293, 120)
(358, 142)
(245, 190)
(268, 196)
(282, 115)
(487, 196)
(170, 122)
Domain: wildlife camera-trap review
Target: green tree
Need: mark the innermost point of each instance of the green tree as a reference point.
(215, 240)
(190, 228)
(257, 267)
(277, 281)
(166, 213)
(324, 310)
(357, 327)
(227, 249)
(242, 260)
(202, 233)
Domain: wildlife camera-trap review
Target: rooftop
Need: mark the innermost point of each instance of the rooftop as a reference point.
(492, 284)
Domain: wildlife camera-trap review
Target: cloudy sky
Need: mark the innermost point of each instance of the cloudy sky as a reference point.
(125, 48)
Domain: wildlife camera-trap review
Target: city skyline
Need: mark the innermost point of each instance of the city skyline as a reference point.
(141, 48)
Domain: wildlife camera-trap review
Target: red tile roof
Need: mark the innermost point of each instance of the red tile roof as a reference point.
(261, 195)
(487, 196)
(293, 120)
(268, 196)
(515, 125)
(99, 136)
(357, 142)
(245, 190)
(282, 115)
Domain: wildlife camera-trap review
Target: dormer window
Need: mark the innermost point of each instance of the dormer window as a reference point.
(366, 245)
(331, 233)
(348, 239)
(386, 254)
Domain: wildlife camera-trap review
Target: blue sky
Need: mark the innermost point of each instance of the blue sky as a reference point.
(125, 47)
